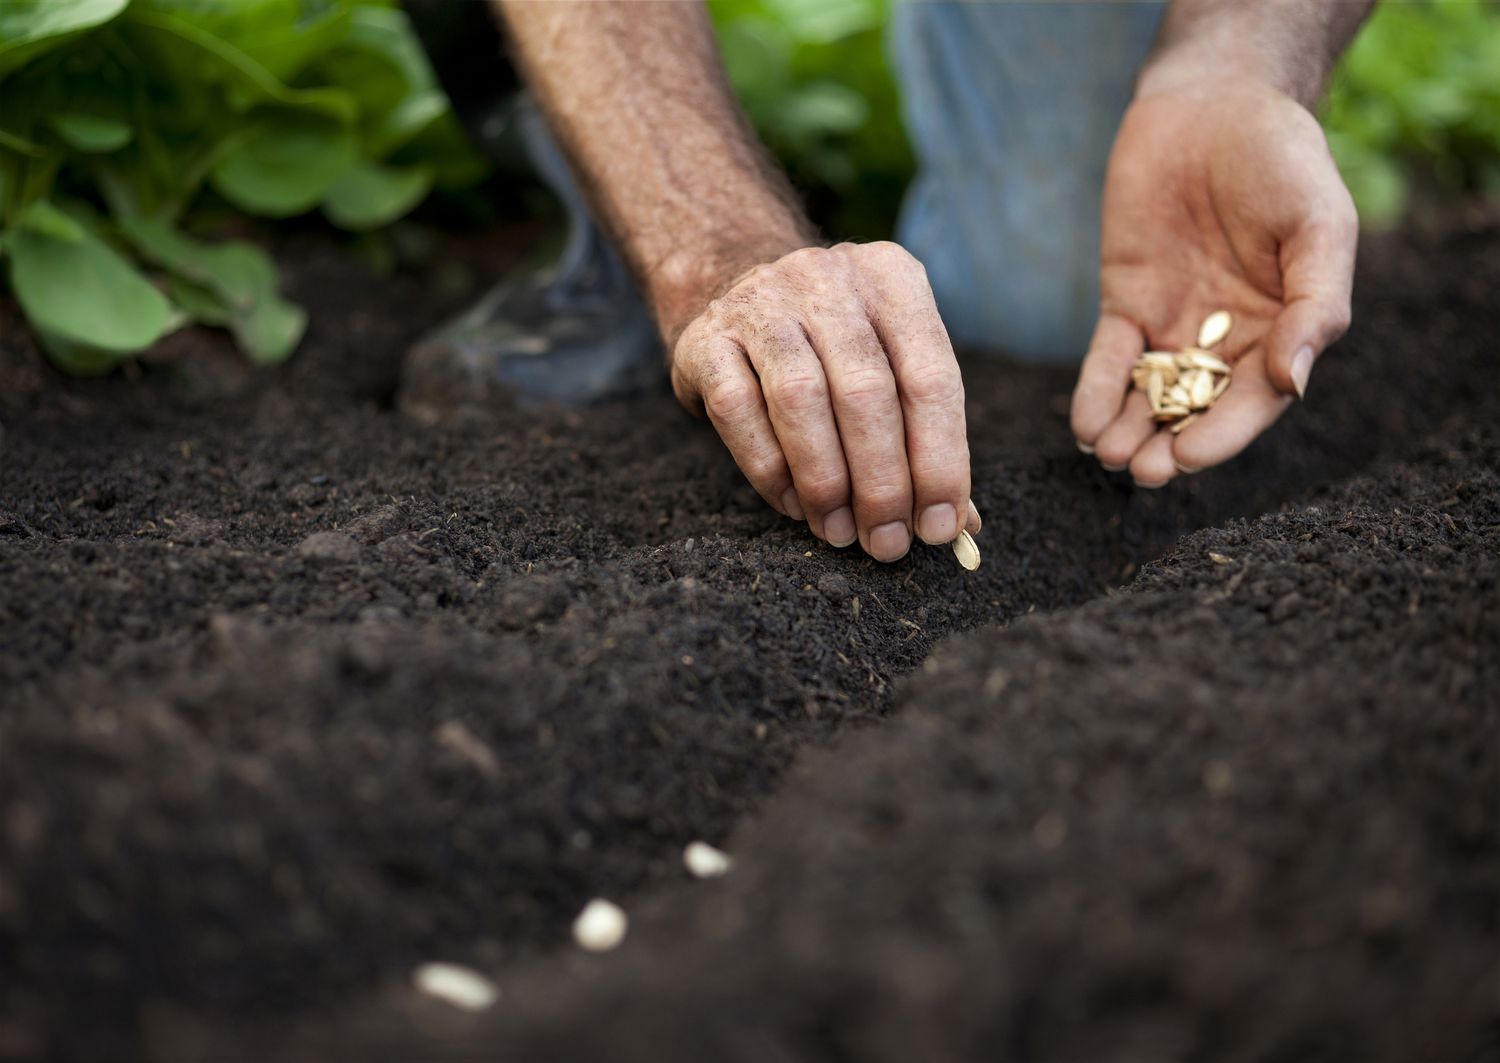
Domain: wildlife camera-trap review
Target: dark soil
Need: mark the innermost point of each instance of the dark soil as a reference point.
(295, 695)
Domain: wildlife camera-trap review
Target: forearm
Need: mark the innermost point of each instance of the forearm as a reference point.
(1288, 44)
(636, 94)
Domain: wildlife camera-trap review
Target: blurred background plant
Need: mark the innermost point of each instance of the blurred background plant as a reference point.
(131, 131)
(1414, 108)
(128, 124)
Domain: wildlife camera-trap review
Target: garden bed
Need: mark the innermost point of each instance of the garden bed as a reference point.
(296, 695)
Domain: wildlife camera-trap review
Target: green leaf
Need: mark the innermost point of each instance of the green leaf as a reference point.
(231, 284)
(270, 332)
(83, 292)
(28, 28)
(368, 195)
(91, 133)
(286, 165)
(44, 219)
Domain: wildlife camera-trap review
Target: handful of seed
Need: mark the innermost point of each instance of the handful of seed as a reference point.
(1183, 384)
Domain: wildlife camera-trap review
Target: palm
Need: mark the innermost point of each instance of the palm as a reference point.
(1208, 204)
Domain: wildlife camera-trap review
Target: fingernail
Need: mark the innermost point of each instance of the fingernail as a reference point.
(938, 524)
(838, 527)
(791, 505)
(889, 542)
(1151, 487)
(976, 522)
(1114, 468)
(1184, 468)
(1085, 447)
(1302, 363)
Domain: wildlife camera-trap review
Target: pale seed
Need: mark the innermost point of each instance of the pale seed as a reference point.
(1180, 425)
(967, 552)
(1179, 396)
(1154, 388)
(1205, 360)
(1219, 388)
(704, 861)
(1215, 327)
(600, 926)
(459, 986)
(1171, 413)
(1202, 389)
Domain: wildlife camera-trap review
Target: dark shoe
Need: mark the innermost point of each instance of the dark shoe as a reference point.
(575, 333)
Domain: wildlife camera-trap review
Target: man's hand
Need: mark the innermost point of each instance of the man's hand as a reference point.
(830, 377)
(826, 371)
(1221, 194)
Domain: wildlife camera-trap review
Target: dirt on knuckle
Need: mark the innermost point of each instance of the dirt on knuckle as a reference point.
(800, 392)
(867, 387)
(729, 399)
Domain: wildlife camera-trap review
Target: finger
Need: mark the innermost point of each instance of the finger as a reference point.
(973, 525)
(1152, 466)
(1318, 277)
(870, 426)
(1105, 377)
(730, 395)
(931, 391)
(1117, 444)
(801, 412)
(1243, 412)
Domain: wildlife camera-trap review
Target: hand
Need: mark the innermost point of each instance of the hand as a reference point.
(830, 377)
(1220, 195)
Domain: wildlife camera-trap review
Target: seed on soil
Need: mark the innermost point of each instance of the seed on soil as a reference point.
(1180, 386)
(704, 861)
(966, 550)
(600, 926)
(1215, 327)
(461, 987)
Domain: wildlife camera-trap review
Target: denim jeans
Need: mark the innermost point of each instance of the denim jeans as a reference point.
(1012, 108)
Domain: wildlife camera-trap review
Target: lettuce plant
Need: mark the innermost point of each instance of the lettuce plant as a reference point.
(120, 120)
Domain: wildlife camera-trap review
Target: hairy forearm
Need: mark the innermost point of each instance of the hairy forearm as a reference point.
(1288, 44)
(636, 94)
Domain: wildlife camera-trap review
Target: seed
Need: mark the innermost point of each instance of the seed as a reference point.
(1154, 388)
(1221, 386)
(967, 552)
(463, 988)
(1204, 360)
(600, 926)
(1160, 359)
(1180, 425)
(1171, 413)
(1215, 327)
(1202, 390)
(704, 861)
(1179, 396)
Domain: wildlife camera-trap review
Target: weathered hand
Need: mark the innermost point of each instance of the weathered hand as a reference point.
(1220, 195)
(830, 377)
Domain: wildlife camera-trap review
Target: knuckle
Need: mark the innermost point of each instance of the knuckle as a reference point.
(764, 469)
(729, 399)
(800, 392)
(825, 492)
(935, 384)
(885, 493)
(869, 386)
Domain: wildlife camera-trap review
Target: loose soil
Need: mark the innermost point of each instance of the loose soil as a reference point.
(295, 695)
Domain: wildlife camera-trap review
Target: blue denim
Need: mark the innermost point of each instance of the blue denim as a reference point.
(1012, 108)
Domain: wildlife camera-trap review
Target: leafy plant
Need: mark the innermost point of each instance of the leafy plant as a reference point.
(1417, 101)
(813, 76)
(122, 119)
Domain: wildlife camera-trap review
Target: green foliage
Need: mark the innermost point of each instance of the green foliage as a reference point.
(814, 78)
(1417, 101)
(279, 107)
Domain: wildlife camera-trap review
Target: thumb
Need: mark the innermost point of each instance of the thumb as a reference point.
(1317, 276)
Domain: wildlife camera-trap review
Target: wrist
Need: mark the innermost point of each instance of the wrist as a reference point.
(682, 283)
(1287, 45)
